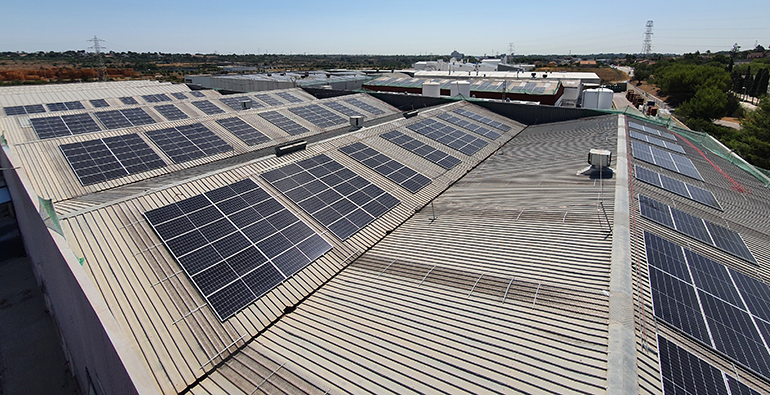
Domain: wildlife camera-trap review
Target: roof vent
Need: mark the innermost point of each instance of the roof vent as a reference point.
(246, 104)
(290, 147)
(356, 121)
(599, 158)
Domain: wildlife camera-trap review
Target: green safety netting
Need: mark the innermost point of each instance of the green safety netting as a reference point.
(48, 214)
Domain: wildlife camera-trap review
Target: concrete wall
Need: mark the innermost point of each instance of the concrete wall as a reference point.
(94, 343)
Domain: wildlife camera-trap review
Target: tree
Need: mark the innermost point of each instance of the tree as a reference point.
(755, 128)
(708, 103)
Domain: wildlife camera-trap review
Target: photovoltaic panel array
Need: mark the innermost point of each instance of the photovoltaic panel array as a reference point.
(157, 98)
(65, 106)
(179, 95)
(365, 106)
(21, 110)
(236, 243)
(421, 149)
(332, 194)
(651, 130)
(705, 300)
(289, 97)
(667, 160)
(99, 103)
(680, 188)
(247, 133)
(318, 115)
(128, 100)
(448, 136)
(170, 112)
(657, 141)
(236, 102)
(402, 175)
(124, 118)
(480, 130)
(269, 100)
(197, 94)
(343, 109)
(480, 118)
(188, 142)
(286, 124)
(109, 158)
(695, 227)
(65, 125)
(208, 107)
(687, 374)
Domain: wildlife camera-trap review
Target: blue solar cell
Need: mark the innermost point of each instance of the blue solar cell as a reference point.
(730, 241)
(676, 303)
(713, 278)
(666, 256)
(684, 373)
(393, 170)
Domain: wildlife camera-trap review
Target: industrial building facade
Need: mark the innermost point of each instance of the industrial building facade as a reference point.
(451, 251)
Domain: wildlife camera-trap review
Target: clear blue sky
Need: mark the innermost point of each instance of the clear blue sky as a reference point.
(383, 27)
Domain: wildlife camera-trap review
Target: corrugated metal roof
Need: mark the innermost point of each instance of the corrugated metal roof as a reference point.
(40, 94)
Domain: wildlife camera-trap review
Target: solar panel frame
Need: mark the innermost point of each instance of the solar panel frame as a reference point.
(268, 99)
(332, 194)
(99, 103)
(467, 125)
(289, 97)
(179, 95)
(480, 118)
(243, 131)
(680, 188)
(170, 112)
(406, 177)
(684, 373)
(207, 107)
(449, 136)
(676, 303)
(188, 142)
(364, 106)
(421, 149)
(128, 100)
(656, 156)
(156, 98)
(651, 130)
(318, 115)
(284, 123)
(233, 262)
(235, 102)
(343, 109)
(197, 94)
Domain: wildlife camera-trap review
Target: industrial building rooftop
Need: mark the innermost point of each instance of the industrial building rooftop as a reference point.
(266, 242)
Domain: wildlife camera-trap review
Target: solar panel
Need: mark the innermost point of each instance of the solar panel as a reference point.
(402, 175)
(674, 162)
(289, 97)
(188, 142)
(269, 100)
(480, 130)
(448, 136)
(105, 159)
(286, 124)
(65, 125)
(480, 118)
(675, 302)
(684, 373)
(98, 103)
(236, 243)
(651, 130)
(735, 334)
(208, 107)
(170, 112)
(179, 95)
(64, 106)
(21, 110)
(365, 106)
(113, 119)
(247, 133)
(128, 100)
(656, 141)
(236, 102)
(318, 115)
(721, 293)
(14, 110)
(197, 94)
(343, 109)
(333, 195)
(157, 98)
(421, 149)
(695, 227)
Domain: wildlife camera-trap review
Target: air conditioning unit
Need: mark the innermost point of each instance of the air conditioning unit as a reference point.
(599, 158)
(357, 121)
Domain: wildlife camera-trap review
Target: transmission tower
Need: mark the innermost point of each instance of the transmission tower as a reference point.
(98, 51)
(647, 44)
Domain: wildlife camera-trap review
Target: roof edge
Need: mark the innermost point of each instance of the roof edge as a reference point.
(622, 374)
